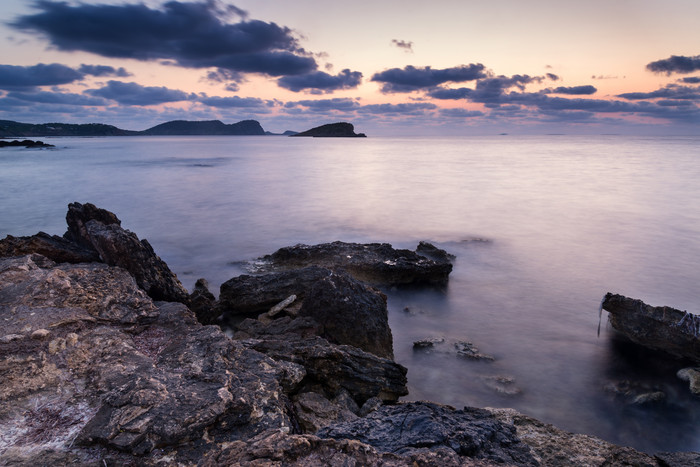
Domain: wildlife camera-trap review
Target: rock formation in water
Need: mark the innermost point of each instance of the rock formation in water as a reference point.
(205, 128)
(332, 130)
(661, 328)
(94, 371)
(27, 143)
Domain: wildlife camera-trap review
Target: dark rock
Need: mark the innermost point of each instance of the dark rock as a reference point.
(210, 127)
(55, 248)
(332, 130)
(314, 411)
(468, 350)
(422, 426)
(678, 459)
(692, 376)
(431, 251)
(634, 392)
(503, 385)
(337, 367)
(257, 294)
(202, 302)
(375, 263)
(661, 328)
(428, 342)
(101, 230)
(25, 143)
(351, 313)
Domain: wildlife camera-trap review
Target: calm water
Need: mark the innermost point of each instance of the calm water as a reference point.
(542, 228)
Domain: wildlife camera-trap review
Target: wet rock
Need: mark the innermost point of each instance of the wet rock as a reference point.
(315, 411)
(677, 459)
(553, 447)
(692, 376)
(203, 303)
(635, 392)
(374, 263)
(247, 294)
(431, 251)
(661, 328)
(469, 351)
(422, 426)
(55, 248)
(350, 313)
(428, 342)
(503, 385)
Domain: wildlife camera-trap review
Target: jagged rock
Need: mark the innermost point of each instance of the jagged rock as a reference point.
(428, 342)
(314, 411)
(337, 367)
(431, 251)
(503, 385)
(55, 248)
(203, 303)
(375, 263)
(422, 426)
(678, 459)
(661, 328)
(635, 392)
(469, 351)
(553, 447)
(692, 376)
(257, 294)
(350, 313)
(118, 370)
(101, 230)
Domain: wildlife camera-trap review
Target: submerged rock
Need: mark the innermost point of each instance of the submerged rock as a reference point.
(375, 263)
(661, 328)
(692, 376)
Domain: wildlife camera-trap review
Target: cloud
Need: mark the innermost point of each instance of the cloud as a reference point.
(411, 78)
(27, 77)
(552, 76)
(103, 70)
(461, 113)
(691, 80)
(62, 98)
(577, 90)
(491, 91)
(321, 82)
(324, 105)
(397, 109)
(449, 93)
(136, 94)
(406, 46)
(604, 77)
(675, 64)
(190, 34)
(671, 91)
(233, 102)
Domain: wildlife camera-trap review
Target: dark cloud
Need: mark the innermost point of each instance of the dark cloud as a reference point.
(233, 102)
(397, 109)
(26, 77)
(135, 94)
(577, 90)
(603, 77)
(103, 70)
(321, 82)
(63, 98)
(447, 94)
(324, 105)
(406, 45)
(461, 113)
(411, 78)
(691, 80)
(491, 91)
(189, 34)
(552, 76)
(671, 91)
(675, 64)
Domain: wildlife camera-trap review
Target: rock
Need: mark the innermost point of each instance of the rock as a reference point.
(315, 411)
(649, 398)
(428, 342)
(342, 129)
(55, 248)
(350, 313)
(374, 263)
(101, 230)
(414, 427)
(257, 294)
(553, 447)
(203, 303)
(661, 328)
(27, 143)
(277, 309)
(431, 251)
(468, 350)
(692, 375)
(40, 334)
(677, 459)
(635, 392)
(504, 385)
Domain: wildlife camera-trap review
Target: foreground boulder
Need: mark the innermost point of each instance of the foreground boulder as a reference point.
(374, 263)
(661, 328)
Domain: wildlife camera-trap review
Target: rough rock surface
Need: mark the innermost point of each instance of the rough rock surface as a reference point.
(52, 246)
(418, 426)
(661, 328)
(203, 303)
(374, 263)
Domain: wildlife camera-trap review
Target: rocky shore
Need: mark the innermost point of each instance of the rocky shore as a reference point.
(106, 359)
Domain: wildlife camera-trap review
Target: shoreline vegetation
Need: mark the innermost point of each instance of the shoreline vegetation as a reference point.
(12, 129)
(108, 360)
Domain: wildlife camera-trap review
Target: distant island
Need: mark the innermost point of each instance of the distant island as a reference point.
(333, 130)
(26, 143)
(12, 129)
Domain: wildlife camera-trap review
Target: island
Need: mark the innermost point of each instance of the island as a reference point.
(333, 130)
(27, 143)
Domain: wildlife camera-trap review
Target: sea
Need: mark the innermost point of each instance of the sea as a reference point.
(541, 228)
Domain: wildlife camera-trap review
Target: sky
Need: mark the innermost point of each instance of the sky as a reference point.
(410, 67)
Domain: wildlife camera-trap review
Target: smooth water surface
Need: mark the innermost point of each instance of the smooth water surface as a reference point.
(542, 228)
